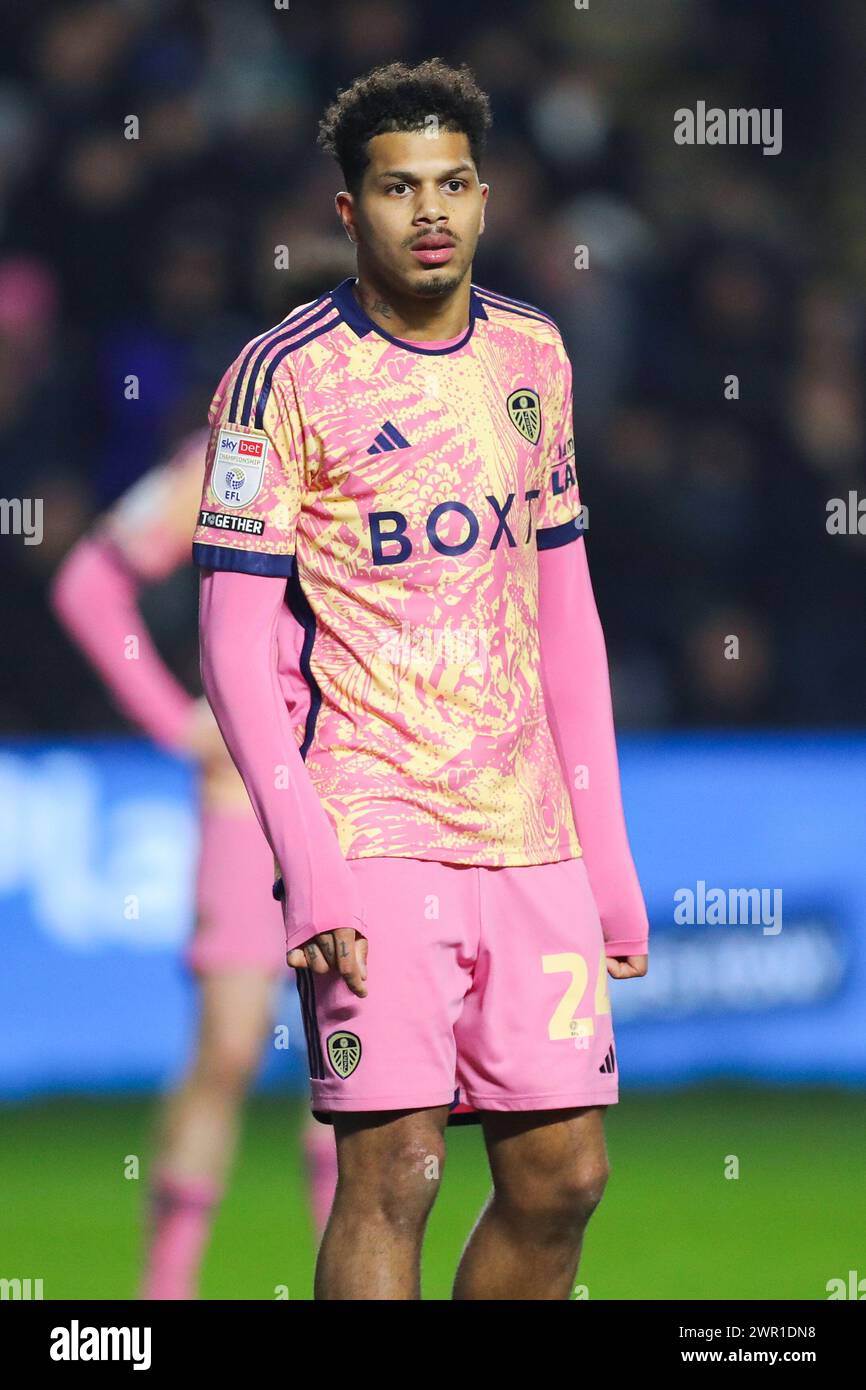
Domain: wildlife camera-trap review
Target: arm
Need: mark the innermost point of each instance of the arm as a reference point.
(94, 597)
(256, 477)
(577, 698)
(239, 666)
(141, 539)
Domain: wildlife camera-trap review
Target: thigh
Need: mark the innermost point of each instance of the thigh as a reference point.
(236, 1012)
(372, 1148)
(395, 1049)
(239, 925)
(545, 1150)
(536, 1031)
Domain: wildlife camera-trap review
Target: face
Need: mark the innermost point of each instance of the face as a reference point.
(419, 213)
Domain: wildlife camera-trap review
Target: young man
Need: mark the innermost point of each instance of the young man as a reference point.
(395, 462)
(236, 952)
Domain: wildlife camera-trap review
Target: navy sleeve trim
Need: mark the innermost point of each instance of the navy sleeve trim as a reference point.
(549, 537)
(223, 557)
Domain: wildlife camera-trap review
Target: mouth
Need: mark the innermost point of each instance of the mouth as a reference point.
(435, 249)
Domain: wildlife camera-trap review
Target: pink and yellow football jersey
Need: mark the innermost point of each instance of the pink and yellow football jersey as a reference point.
(404, 489)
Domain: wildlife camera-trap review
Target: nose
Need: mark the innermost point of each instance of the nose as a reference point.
(430, 208)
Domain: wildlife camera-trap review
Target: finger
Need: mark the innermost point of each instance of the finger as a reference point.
(348, 961)
(315, 960)
(635, 965)
(325, 943)
(362, 955)
(621, 969)
(296, 958)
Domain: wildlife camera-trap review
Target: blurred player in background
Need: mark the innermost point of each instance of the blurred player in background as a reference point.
(237, 951)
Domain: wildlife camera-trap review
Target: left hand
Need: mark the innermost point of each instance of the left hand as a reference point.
(626, 967)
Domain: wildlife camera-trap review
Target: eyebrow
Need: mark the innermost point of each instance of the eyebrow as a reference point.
(408, 177)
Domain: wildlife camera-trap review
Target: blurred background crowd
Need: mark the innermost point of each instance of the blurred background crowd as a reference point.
(154, 257)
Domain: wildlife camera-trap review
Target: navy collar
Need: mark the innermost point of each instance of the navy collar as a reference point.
(360, 322)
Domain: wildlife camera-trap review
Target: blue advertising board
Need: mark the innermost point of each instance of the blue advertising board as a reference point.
(751, 851)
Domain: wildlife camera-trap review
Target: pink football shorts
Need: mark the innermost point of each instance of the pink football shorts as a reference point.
(238, 923)
(487, 988)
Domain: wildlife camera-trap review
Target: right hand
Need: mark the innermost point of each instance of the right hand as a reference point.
(344, 951)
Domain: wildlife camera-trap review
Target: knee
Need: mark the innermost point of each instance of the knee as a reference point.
(401, 1183)
(558, 1205)
(580, 1192)
(228, 1064)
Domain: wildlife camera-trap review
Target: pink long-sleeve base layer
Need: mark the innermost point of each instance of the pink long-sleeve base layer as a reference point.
(579, 710)
(238, 620)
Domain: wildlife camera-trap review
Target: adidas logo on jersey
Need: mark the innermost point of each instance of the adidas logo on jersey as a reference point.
(389, 437)
(609, 1063)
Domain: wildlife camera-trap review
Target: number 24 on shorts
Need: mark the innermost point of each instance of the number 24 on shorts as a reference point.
(563, 1024)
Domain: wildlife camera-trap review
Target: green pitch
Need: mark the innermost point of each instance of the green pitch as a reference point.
(671, 1224)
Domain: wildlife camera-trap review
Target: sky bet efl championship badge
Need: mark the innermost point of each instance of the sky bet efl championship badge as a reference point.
(344, 1052)
(524, 409)
(238, 467)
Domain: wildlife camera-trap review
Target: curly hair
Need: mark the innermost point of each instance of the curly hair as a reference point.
(398, 97)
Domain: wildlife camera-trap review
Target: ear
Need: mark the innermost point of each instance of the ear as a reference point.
(344, 207)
